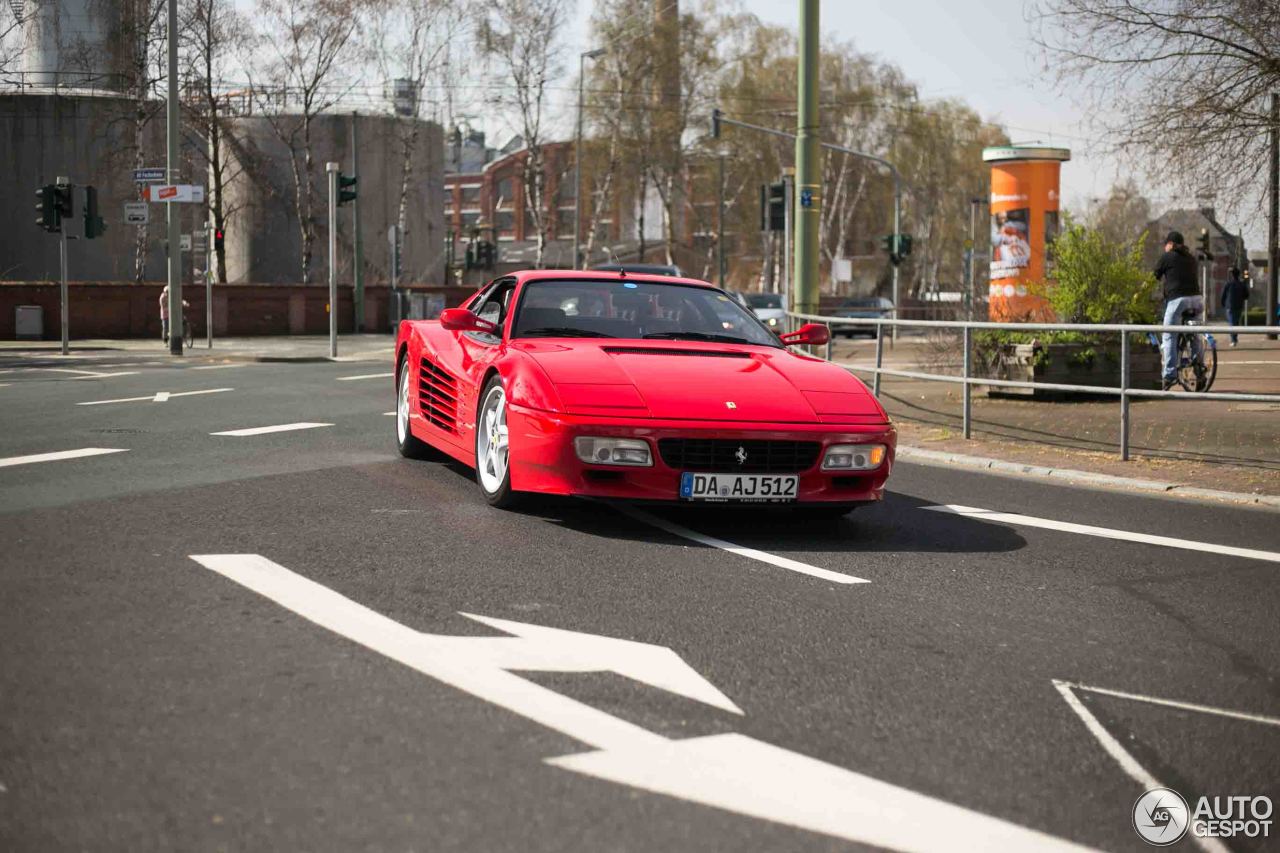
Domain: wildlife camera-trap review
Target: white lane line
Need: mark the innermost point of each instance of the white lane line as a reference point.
(109, 375)
(266, 429)
(1171, 703)
(60, 455)
(220, 366)
(749, 553)
(366, 376)
(158, 397)
(1122, 756)
(1105, 532)
(391, 413)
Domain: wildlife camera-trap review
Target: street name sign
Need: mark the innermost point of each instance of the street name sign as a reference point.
(188, 193)
(136, 213)
(153, 175)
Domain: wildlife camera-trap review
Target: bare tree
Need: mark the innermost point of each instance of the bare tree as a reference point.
(143, 69)
(212, 33)
(1181, 83)
(1122, 216)
(524, 38)
(305, 41)
(411, 41)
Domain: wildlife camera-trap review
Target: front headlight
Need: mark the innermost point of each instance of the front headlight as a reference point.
(612, 451)
(853, 457)
(772, 321)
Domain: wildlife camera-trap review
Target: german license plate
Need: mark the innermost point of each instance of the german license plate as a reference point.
(757, 488)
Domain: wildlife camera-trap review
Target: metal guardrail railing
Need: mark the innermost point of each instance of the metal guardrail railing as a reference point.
(968, 379)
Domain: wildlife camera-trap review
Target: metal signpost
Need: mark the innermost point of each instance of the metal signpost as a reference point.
(63, 310)
(332, 170)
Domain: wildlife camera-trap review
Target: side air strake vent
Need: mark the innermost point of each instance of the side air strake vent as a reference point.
(438, 396)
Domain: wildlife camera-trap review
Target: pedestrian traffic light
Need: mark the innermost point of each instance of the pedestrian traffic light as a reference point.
(904, 245)
(1205, 247)
(47, 208)
(715, 124)
(93, 224)
(219, 239)
(345, 195)
(773, 207)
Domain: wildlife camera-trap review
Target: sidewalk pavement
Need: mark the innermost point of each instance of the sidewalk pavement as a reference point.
(300, 348)
(1232, 446)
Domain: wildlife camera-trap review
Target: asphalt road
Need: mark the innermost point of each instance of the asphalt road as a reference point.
(316, 697)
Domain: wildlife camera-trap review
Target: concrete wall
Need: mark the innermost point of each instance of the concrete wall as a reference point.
(122, 310)
(91, 141)
(264, 242)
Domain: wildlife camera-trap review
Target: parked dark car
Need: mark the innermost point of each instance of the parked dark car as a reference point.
(867, 306)
(646, 269)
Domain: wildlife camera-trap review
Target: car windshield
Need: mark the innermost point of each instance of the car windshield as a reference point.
(764, 300)
(636, 310)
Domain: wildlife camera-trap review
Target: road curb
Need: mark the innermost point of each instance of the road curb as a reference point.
(924, 456)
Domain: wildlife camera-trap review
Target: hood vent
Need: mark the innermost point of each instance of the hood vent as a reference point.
(700, 353)
(438, 396)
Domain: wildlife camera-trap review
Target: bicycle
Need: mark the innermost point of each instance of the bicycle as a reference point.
(1197, 355)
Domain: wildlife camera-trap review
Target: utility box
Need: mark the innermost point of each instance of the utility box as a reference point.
(28, 322)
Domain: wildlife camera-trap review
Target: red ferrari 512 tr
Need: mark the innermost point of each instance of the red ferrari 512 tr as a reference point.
(636, 387)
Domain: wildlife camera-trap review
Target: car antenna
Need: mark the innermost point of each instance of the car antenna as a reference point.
(622, 271)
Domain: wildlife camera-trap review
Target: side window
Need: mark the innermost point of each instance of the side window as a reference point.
(493, 304)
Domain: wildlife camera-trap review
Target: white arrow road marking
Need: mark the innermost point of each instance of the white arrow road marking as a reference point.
(728, 771)
(158, 397)
(60, 455)
(266, 429)
(750, 553)
(366, 376)
(1105, 532)
(1124, 758)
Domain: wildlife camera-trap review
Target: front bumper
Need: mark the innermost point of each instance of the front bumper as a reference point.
(543, 457)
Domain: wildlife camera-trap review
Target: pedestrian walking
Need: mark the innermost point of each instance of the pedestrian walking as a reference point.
(164, 314)
(1235, 296)
(1177, 273)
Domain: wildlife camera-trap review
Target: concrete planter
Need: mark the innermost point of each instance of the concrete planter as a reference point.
(1071, 364)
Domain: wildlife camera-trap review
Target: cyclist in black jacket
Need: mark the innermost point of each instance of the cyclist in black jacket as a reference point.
(1177, 273)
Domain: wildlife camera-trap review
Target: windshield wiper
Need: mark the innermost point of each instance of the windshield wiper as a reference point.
(561, 332)
(696, 336)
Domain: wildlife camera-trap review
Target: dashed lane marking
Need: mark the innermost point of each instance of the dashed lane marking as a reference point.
(60, 455)
(366, 376)
(1104, 532)
(158, 397)
(268, 429)
(749, 553)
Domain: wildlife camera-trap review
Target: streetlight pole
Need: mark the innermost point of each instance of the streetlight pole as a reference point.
(171, 210)
(720, 224)
(332, 170)
(808, 187)
(577, 160)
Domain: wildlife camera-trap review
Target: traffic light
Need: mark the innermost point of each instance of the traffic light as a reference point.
(219, 239)
(93, 224)
(773, 207)
(715, 124)
(345, 195)
(904, 247)
(47, 208)
(1205, 251)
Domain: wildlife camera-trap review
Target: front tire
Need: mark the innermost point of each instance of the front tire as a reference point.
(409, 446)
(493, 456)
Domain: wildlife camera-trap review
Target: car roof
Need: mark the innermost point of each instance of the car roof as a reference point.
(607, 276)
(660, 269)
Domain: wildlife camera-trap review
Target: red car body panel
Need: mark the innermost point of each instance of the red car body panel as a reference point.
(560, 388)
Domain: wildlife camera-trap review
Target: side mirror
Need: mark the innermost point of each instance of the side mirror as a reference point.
(810, 334)
(462, 320)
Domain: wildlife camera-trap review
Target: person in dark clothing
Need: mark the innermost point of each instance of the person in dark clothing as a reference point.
(1176, 272)
(1235, 293)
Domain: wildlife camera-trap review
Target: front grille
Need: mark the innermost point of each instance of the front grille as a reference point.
(718, 454)
(438, 396)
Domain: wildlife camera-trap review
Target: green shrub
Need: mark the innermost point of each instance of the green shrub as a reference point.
(1097, 280)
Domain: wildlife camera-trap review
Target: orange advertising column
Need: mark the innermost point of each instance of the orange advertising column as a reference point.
(1024, 224)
